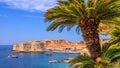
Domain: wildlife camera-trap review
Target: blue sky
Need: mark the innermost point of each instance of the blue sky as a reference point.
(23, 20)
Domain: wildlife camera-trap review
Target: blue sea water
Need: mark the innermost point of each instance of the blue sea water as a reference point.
(31, 60)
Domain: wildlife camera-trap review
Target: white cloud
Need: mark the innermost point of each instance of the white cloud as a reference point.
(31, 5)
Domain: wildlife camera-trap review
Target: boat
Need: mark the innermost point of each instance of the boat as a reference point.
(48, 53)
(12, 56)
(53, 61)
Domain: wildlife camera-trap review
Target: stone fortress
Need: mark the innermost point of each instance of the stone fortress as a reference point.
(57, 46)
(46, 45)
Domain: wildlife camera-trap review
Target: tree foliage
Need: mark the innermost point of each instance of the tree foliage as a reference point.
(110, 56)
(68, 13)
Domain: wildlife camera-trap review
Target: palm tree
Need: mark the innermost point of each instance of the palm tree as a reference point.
(110, 58)
(86, 16)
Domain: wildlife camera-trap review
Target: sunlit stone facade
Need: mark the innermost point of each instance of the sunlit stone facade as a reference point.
(45, 45)
(58, 46)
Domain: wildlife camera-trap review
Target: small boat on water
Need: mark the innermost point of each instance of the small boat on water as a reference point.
(48, 53)
(53, 61)
(61, 61)
(12, 56)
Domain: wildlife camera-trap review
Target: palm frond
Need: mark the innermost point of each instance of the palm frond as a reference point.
(115, 33)
(104, 48)
(106, 11)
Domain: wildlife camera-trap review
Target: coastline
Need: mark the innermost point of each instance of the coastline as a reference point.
(59, 52)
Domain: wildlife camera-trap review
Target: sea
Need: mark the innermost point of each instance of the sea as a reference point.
(31, 60)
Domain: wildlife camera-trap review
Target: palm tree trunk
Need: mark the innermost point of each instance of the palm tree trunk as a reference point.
(89, 28)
